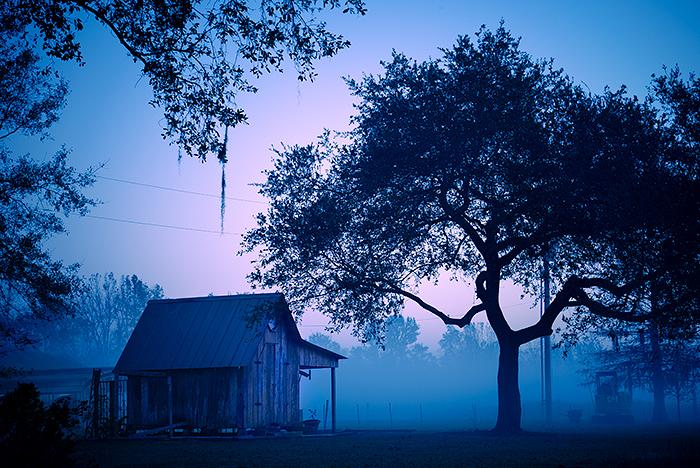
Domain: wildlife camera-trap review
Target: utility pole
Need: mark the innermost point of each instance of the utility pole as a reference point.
(546, 344)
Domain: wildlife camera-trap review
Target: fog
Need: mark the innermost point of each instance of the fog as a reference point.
(405, 386)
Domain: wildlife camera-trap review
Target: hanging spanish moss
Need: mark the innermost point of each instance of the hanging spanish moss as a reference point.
(223, 160)
(179, 160)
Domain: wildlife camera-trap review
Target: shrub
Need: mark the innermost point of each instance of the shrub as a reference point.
(34, 435)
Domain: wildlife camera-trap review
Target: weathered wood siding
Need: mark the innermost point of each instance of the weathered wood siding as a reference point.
(310, 358)
(147, 401)
(205, 398)
(272, 382)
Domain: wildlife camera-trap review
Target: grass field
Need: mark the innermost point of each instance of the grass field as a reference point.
(634, 446)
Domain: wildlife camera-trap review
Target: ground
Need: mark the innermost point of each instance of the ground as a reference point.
(634, 446)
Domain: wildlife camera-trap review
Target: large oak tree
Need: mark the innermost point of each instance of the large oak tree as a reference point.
(478, 164)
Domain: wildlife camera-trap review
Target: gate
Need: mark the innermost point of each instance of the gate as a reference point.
(108, 405)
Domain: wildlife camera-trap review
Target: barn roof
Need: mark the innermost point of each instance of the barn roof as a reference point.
(204, 332)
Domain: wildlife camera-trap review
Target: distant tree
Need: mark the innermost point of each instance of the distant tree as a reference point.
(399, 343)
(478, 164)
(684, 374)
(327, 342)
(197, 55)
(107, 313)
(33, 287)
(476, 341)
(401, 339)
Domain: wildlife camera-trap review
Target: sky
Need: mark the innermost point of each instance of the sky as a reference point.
(146, 194)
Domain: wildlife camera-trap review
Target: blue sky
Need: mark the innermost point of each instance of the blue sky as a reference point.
(108, 121)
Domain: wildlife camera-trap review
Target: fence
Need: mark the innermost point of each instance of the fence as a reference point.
(108, 405)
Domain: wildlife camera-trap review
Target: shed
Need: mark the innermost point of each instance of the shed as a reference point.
(55, 375)
(203, 362)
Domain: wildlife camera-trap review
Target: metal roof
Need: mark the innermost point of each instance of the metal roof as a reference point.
(196, 333)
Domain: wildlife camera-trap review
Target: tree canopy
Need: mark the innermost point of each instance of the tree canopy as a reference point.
(197, 55)
(33, 194)
(478, 164)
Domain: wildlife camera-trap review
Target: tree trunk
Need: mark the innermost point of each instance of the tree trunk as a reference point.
(509, 410)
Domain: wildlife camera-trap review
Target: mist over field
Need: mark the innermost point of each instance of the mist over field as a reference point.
(405, 386)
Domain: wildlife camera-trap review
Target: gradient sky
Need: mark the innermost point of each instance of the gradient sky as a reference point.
(108, 121)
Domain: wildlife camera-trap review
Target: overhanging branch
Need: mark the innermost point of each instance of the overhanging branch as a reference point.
(573, 294)
(460, 322)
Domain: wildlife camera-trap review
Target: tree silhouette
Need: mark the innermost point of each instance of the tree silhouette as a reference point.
(106, 313)
(197, 55)
(478, 164)
(33, 194)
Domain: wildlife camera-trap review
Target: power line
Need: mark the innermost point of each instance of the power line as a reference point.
(181, 228)
(189, 192)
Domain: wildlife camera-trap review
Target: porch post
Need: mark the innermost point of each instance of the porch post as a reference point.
(170, 405)
(333, 400)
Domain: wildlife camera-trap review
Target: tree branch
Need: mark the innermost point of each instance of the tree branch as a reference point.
(460, 322)
(461, 222)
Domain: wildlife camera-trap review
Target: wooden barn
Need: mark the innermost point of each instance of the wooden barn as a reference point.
(199, 362)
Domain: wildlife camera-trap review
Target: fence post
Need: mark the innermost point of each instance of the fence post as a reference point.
(96, 403)
(113, 405)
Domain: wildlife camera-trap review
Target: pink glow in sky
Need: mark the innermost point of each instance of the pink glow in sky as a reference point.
(108, 120)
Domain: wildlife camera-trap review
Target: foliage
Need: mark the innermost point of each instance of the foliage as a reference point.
(197, 55)
(399, 344)
(32, 194)
(312, 414)
(33, 435)
(107, 312)
(327, 342)
(477, 164)
(679, 101)
(476, 341)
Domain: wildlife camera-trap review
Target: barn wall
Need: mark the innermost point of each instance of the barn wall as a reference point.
(147, 401)
(205, 398)
(272, 382)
